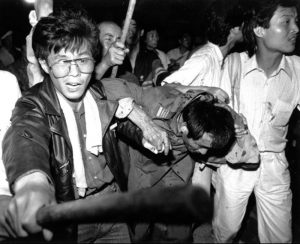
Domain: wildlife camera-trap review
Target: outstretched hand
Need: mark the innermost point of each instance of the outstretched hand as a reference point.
(20, 215)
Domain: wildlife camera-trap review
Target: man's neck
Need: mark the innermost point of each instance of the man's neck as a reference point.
(268, 61)
(133, 54)
(228, 46)
(75, 105)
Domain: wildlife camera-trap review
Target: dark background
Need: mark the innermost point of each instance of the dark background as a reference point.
(170, 16)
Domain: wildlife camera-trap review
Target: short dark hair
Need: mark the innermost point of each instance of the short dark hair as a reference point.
(64, 29)
(220, 20)
(204, 116)
(259, 14)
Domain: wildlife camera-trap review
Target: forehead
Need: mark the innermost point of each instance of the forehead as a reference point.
(109, 28)
(205, 141)
(152, 32)
(290, 12)
(132, 24)
(72, 52)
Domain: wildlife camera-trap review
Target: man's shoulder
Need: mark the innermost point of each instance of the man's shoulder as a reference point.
(295, 59)
(206, 48)
(10, 84)
(173, 51)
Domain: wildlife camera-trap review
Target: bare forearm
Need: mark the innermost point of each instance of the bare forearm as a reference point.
(100, 70)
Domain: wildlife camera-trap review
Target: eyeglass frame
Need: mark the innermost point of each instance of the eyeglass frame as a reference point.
(70, 62)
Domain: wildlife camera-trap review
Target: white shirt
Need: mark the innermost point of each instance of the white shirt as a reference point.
(202, 68)
(267, 103)
(9, 94)
(163, 58)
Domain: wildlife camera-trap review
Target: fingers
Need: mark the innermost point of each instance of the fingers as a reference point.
(158, 139)
(47, 234)
(149, 146)
(220, 94)
(12, 220)
(166, 145)
(117, 53)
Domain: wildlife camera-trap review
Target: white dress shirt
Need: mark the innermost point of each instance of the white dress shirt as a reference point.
(202, 68)
(267, 103)
(9, 94)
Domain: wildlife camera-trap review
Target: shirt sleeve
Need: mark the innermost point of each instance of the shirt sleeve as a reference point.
(191, 73)
(8, 97)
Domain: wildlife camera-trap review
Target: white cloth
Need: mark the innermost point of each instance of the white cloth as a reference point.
(202, 68)
(271, 185)
(163, 58)
(176, 55)
(267, 104)
(9, 94)
(93, 136)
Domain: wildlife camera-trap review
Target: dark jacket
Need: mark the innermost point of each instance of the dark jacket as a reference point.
(38, 139)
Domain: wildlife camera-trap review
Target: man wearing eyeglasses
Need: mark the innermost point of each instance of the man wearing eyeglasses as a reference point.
(62, 143)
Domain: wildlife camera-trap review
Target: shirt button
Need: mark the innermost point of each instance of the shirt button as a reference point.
(90, 158)
(95, 177)
(84, 135)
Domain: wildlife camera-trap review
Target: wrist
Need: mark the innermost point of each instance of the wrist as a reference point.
(101, 68)
(139, 117)
(33, 179)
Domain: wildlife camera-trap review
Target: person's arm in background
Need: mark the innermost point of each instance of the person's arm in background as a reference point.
(42, 8)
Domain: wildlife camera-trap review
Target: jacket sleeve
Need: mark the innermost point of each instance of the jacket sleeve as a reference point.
(26, 143)
(130, 132)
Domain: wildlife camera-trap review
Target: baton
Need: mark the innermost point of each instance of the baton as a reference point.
(186, 204)
(129, 14)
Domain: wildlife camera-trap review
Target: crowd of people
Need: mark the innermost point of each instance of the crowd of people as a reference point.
(214, 117)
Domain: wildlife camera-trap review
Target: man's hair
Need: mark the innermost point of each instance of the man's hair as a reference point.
(64, 29)
(260, 14)
(205, 117)
(219, 20)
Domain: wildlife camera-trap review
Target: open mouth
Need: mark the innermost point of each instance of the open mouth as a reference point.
(73, 86)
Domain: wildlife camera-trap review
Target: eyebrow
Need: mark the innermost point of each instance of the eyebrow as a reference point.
(63, 56)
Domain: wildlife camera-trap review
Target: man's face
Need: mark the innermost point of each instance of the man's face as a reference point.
(152, 39)
(132, 33)
(72, 86)
(282, 33)
(186, 41)
(201, 145)
(109, 33)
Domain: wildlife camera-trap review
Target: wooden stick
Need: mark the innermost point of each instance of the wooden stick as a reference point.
(128, 18)
(171, 205)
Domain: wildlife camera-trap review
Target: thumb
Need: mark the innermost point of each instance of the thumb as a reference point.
(47, 234)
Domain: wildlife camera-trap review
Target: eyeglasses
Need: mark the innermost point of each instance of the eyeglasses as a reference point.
(62, 68)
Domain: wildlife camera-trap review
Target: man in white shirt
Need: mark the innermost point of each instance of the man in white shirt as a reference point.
(268, 93)
(8, 97)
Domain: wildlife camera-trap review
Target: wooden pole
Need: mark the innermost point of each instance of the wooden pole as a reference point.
(171, 205)
(128, 18)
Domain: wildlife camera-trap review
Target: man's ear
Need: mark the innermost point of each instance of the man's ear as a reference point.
(44, 65)
(259, 31)
(184, 129)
